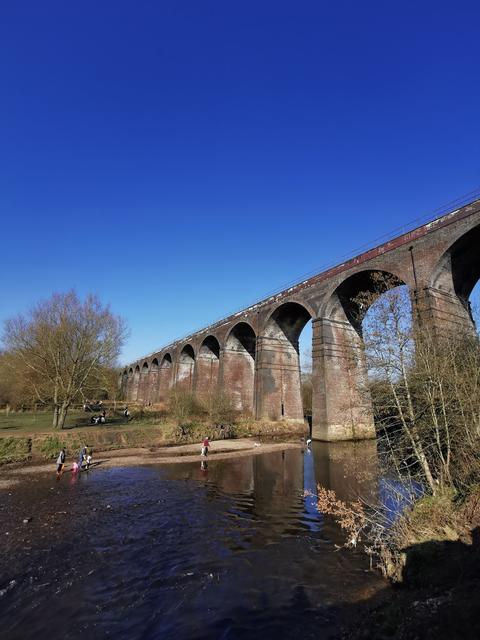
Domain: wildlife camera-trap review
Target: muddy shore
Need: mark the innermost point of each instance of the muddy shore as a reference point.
(219, 450)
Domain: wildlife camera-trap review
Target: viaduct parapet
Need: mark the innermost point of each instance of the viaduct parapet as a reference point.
(253, 355)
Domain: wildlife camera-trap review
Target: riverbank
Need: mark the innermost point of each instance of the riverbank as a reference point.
(19, 444)
(133, 457)
(439, 602)
(437, 590)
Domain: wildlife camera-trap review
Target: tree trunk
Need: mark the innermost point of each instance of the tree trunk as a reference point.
(63, 415)
(56, 407)
(56, 412)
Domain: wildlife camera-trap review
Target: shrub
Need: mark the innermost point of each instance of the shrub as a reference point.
(218, 407)
(182, 406)
(15, 449)
(51, 446)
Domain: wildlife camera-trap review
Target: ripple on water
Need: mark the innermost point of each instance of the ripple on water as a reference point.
(174, 553)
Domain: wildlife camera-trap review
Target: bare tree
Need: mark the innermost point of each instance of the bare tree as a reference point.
(105, 384)
(60, 345)
(425, 385)
(306, 389)
(14, 389)
(390, 349)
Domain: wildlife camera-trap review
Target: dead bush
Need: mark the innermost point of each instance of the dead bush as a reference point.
(218, 408)
(183, 406)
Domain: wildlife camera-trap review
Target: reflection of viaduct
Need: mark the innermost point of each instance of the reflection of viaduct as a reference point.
(253, 354)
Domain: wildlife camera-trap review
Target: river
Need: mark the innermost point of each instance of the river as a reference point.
(234, 550)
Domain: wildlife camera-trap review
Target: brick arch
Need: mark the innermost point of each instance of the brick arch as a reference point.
(445, 301)
(207, 367)
(166, 362)
(143, 383)
(187, 352)
(287, 320)
(210, 347)
(458, 269)
(339, 362)
(238, 365)
(136, 382)
(123, 383)
(152, 393)
(185, 369)
(243, 332)
(165, 377)
(129, 384)
(307, 306)
(278, 367)
(345, 302)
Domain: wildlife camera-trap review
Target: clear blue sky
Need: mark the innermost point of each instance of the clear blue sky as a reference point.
(182, 159)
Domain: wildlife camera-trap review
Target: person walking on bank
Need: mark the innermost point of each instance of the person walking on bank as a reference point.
(60, 462)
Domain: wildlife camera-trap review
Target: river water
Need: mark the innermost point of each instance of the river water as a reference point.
(235, 550)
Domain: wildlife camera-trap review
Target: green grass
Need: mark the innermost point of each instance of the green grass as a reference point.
(30, 435)
(40, 421)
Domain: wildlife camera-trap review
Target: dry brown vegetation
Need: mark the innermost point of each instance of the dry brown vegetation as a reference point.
(213, 415)
(425, 387)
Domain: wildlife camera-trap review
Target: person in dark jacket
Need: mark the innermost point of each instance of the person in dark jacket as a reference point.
(82, 456)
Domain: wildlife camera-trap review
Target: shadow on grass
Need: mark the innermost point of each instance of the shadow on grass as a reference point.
(84, 424)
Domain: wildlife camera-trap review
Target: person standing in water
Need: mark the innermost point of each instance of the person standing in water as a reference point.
(60, 462)
(82, 456)
(205, 445)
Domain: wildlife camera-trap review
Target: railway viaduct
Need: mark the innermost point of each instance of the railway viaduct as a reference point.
(253, 355)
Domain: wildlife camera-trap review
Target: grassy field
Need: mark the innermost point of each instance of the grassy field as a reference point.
(31, 422)
(41, 422)
(28, 435)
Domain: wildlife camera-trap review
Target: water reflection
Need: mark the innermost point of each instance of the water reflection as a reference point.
(226, 549)
(278, 489)
(310, 490)
(349, 468)
(395, 495)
